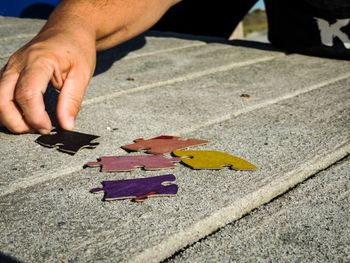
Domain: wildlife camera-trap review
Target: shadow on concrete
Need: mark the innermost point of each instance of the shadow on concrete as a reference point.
(8, 259)
(51, 100)
(4, 131)
(107, 58)
(39, 11)
(254, 45)
(104, 62)
(238, 42)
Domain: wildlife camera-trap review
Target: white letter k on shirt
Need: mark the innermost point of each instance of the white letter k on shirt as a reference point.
(330, 31)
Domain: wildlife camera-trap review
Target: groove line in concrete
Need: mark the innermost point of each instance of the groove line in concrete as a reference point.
(130, 56)
(187, 77)
(228, 214)
(40, 178)
(167, 50)
(264, 104)
(267, 220)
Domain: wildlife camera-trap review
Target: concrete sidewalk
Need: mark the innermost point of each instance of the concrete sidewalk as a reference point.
(308, 224)
(295, 124)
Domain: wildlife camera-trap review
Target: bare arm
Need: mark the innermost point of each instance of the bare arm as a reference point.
(64, 52)
(112, 21)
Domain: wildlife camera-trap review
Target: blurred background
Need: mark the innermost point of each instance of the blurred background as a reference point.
(254, 24)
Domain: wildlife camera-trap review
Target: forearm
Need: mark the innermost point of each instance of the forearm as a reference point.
(110, 22)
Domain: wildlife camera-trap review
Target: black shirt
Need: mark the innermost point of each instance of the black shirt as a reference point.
(315, 27)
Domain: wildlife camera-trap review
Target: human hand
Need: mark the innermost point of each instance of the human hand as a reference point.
(64, 52)
(67, 58)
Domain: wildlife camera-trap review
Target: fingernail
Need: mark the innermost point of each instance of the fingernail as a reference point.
(43, 131)
(70, 123)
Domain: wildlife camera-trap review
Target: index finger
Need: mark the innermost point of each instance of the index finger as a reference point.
(10, 115)
(31, 86)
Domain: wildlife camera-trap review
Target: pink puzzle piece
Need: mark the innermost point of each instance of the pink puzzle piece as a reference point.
(132, 162)
(162, 144)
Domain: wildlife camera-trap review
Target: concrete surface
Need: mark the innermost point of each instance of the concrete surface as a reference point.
(295, 123)
(308, 224)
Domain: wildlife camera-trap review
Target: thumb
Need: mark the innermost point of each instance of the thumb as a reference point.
(70, 99)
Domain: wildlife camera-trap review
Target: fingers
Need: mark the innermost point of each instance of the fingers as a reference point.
(22, 107)
(54, 56)
(70, 98)
(10, 115)
(30, 87)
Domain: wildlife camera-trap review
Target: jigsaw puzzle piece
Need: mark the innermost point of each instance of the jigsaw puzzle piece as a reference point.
(212, 160)
(132, 162)
(68, 141)
(138, 189)
(162, 144)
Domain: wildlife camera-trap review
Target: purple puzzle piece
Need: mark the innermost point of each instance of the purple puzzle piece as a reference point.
(132, 162)
(138, 189)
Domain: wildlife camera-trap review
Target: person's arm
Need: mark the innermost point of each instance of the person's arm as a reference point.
(64, 52)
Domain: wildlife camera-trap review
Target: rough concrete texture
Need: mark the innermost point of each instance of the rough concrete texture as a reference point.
(149, 43)
(78, 226)
(173, 101)
(47, 212)
(225, 62)
(311, 223)
(15, 32)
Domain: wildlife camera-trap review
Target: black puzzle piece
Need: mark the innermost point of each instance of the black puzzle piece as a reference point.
(68, 141)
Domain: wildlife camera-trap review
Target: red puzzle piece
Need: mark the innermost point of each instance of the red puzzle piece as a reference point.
(132, 162)
(162, 144)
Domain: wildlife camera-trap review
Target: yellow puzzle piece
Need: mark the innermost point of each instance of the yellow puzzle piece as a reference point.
(212, 160)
